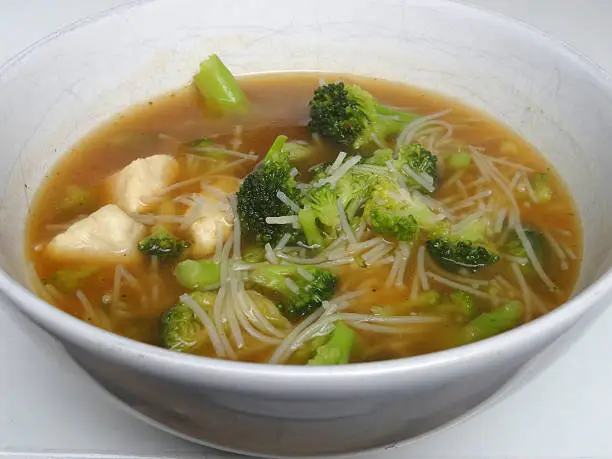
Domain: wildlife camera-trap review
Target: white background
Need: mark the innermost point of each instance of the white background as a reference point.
(48, 408)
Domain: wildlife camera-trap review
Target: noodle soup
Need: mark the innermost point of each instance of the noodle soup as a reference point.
(304, 219)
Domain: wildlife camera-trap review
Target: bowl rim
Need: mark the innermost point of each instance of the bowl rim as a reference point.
(183, 366)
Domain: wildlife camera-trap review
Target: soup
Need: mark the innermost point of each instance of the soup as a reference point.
(304, 218)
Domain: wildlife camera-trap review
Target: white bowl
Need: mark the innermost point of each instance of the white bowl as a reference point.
(61, 88)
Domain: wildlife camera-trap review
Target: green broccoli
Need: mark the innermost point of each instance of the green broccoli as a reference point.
(337, 349)
(349, 115)
(162, 244)
(492, 323)
(514, 247)
(181, 330)
(454, 256)
(400, 216)
(380, 157)
(254, 253)
(308, 222)
(219, 88)
(198, 274)
(459, 304)
(459, 160)
(297, 290)
(258, 196)
(412, 160)
(298, 151)
(540, 183)
(70, 280)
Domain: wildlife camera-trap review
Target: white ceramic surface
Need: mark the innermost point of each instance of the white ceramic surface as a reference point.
(535, 86)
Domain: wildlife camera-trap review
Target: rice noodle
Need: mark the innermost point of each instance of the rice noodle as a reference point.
(353, 317)
(87, 307)
(394, 269)
(227, 166)
(511, 164)
(282, 243)
(520, 232)
(557, 249)
(452, 179)
(305, 274)
(425, 180)
(387, 328)
(499, 222)
(292, 286)
(116, 285)
(404, 255)
(527, 300)
(344, 223)
(414, 289)
(288, 202)
(302, 261)
(208, 324)
(421, 268)
(219, 240)
(405, 137)
(457, 285)
(249, 156)
(280, 354)
(336, 164)
(270, 254)
(283, 220)
(374, 256)
(261, 321)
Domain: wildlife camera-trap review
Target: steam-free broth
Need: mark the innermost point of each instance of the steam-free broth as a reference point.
(394, 297)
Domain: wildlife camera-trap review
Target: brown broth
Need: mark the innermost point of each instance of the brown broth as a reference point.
(280, 106)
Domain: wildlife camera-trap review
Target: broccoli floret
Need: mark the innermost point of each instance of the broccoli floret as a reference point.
(337, 350)
(198, 274)
(324, 203)
(400, 216)
(454, 256)
(416, 159)
(70, 280)
(458, 304)
(298, 151)
(76, 199)
(349, 115)
(219, 88)
(258, 195)
(380, 157)
(308, 222)
(492, 323)
(470, 229)
(181, 330)
(162, 244)
(540, 183)
(297, 290)
(515, 248)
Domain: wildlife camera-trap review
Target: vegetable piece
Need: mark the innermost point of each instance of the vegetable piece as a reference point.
(308, 222)
(76, 199)
(198, 274)
(70, 280)
(219, 88)
(162, 244)
(254, 253)
(349, 115)
(541, 187)
(470, 229)
(268, 309)
(459, 160)
(337, 350)
(204, 147)
(181, 330)
(380, 157)
(298, 151)
(422, 163)
(460, 304)
(295, 295)
(463, 254)
(258, 196)
(515, 248)
(492, 323)
(400, 215)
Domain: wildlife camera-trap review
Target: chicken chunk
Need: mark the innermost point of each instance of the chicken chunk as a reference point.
(214, 211)
(141, 179)
(108, 233)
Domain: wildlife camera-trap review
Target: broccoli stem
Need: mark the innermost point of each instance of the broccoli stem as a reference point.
(307, 219)
(459, 160)
(219, 87)
(401, 116)
(492, 323)
(337, 350)
(197, 274)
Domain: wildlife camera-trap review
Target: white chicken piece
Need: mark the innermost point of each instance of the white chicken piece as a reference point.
(141, 179)
(108, 233)
(213, 210)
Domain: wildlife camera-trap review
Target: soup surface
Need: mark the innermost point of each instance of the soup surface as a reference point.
(410, 260)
